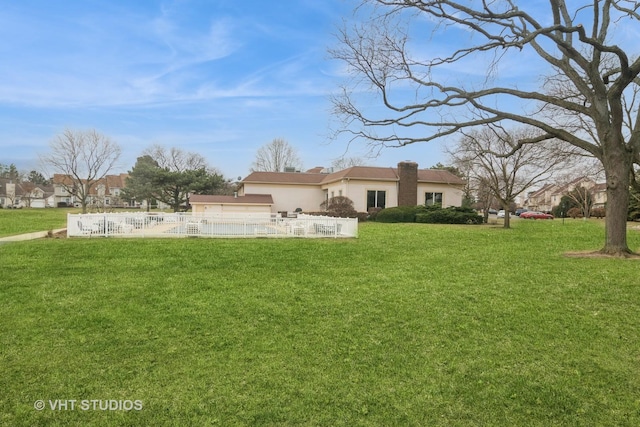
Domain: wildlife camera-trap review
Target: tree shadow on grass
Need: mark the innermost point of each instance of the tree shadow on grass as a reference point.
(601, 255)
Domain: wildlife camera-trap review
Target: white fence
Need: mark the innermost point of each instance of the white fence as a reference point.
(144, 224)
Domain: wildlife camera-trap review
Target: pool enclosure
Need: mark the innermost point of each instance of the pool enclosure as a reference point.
(158, 224)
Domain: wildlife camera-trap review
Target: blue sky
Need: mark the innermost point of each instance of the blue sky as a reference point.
(216, 77)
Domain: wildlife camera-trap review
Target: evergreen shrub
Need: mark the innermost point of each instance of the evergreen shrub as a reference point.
(430, 214)
(398, 214)
(450, 215)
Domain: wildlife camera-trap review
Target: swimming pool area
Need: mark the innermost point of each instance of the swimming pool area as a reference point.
(223, 229)
(152, 224)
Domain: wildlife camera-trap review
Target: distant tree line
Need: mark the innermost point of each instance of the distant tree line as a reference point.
(12, 173)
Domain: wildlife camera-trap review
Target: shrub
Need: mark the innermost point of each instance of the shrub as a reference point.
(373, 213)
(339, 206)
(452, 215)
(362, 216)
(598, 212)
(433, 214)
(574, 213)
(398, 214)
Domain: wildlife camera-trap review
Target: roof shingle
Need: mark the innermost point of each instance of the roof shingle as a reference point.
(253, 199)
(354, 172)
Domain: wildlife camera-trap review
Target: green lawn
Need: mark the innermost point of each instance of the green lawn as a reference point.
(408, 325)
(18, 221)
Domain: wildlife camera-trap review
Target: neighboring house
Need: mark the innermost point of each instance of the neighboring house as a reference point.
(25, 194)
(103, 193)
(219, 205)
(599, 195)
(368, 187)
(60, 193)
(114, 184)
(36, 196)
(8, 195)
(550, 195)
(541, 200)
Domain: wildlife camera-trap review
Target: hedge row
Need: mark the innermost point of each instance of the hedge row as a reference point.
(398, 214)
(429, 214)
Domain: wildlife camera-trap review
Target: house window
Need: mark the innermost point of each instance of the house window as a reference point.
(433, 199)
(340, 193)
(376, 199)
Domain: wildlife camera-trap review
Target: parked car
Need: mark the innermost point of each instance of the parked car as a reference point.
(521, 211)
(535, 215)
(501, 213)
(492, 212)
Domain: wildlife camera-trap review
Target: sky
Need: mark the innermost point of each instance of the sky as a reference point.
(220, 78)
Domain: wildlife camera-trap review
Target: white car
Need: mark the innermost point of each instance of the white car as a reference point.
(501, 213)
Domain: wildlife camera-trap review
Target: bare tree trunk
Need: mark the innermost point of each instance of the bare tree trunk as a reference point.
(618, 182)
(507, 217)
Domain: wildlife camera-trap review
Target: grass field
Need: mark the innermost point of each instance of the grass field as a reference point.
(18, 221)
(409, 325)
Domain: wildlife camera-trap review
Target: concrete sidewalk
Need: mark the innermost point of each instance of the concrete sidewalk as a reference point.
(29, 236)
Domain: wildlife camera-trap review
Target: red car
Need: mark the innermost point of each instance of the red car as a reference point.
(535, 215)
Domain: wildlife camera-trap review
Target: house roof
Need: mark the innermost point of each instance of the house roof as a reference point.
(363, 172)
(116, 181)
(438, 175)
(542, 190)
(300, 178)
(109, 182)
(354, 172)
(580, 181)
(62, 179)
(247, 199)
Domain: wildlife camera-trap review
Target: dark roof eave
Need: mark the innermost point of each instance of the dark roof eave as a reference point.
(231, 203)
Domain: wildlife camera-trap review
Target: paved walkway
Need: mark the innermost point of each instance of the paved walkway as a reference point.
(29, 236)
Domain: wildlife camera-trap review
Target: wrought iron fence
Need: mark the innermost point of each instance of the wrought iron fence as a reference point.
(145, 224)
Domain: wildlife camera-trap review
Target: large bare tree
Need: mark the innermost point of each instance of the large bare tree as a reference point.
(174, 159)
(275, 157)
(489, 159)
(344, 162)
(82, 158)
(588, 98)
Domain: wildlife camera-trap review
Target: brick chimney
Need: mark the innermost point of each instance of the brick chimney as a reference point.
(408, 183)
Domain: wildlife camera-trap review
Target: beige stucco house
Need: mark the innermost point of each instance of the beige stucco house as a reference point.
(368, 187)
